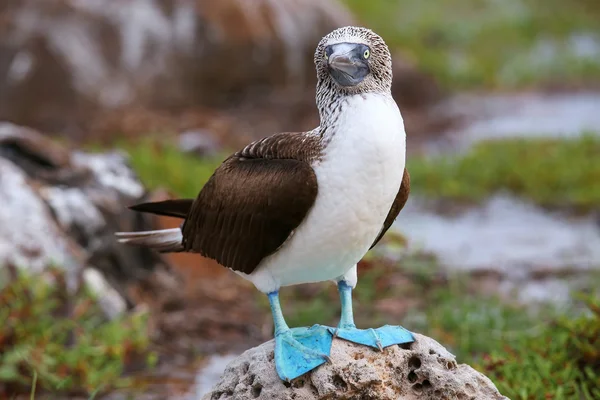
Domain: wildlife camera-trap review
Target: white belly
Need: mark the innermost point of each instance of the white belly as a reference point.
(358, 177)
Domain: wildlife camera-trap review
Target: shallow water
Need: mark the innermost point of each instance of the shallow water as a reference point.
(501, 233)
(499, 116)
(528, 246)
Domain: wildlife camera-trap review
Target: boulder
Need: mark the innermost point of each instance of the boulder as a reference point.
(61, 208)
(421, 370)
(106, 67)
(64, 61)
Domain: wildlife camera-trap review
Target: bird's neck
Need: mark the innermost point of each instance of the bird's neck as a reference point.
(332, 104)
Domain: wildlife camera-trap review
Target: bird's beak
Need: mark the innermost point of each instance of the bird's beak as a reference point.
(346, 63)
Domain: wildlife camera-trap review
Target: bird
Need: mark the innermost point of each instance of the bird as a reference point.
(303, 207)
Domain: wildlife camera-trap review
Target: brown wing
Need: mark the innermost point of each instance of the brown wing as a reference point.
(398, 204)
(253, 202)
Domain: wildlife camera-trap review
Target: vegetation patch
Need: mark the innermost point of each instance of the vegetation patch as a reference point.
(61, 343)
(561, 362)
(550, 172)
(494, 44)
(162, 165)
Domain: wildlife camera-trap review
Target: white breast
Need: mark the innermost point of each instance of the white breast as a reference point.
(359, 177)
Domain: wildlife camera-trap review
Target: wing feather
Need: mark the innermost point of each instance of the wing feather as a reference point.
(252, 203)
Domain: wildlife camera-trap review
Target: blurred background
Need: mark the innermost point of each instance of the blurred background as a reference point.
(105, 103)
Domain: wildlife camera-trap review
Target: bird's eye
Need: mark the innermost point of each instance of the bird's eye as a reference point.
(325, 55)
(366, 54)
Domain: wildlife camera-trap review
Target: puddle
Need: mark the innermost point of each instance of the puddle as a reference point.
(502, 233)
(551, 56)
(499, 116)
(522, 242)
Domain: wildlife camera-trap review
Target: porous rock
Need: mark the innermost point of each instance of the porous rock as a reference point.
(61, 208)
(421, 370)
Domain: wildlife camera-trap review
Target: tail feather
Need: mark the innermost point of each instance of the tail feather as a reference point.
(164, 240)
(170, 208)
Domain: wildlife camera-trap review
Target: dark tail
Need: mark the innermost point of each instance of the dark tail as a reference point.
(163, 240)
(168, 208)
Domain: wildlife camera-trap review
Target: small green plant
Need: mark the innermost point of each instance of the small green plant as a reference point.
(53, 341)
(550, 172)
(561, 362)
(472, 324)
(162, 165)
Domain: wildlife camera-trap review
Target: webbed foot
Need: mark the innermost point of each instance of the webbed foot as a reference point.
(378, 338)
(300, 350)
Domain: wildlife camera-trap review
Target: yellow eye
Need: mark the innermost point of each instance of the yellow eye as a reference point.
(325, 55)
(366, 54)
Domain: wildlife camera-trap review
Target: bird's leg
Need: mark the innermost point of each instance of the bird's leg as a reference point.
(347, 318)
(378, 338)
(297, 350)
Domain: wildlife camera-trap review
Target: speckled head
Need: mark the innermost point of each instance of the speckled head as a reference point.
(353, 60)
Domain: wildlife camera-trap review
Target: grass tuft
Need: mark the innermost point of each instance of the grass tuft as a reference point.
(51, 341)
(161, 165)
(561, 362)
(550, 172)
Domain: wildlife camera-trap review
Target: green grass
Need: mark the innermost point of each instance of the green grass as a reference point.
(470, 324)
(550, 172)
(560, 362)
(53, 342)
(483, 43)
(161, 165)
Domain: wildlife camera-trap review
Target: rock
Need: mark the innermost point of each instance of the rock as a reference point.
(106, 67)
(62, 207)
(62, 61)
(421, 370)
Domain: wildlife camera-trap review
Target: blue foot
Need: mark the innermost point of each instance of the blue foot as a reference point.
(379, 338)
(300, 350)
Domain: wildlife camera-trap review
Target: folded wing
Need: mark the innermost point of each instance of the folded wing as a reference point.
(252, 203)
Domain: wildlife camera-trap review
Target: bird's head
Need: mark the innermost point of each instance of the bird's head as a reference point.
(354, 60)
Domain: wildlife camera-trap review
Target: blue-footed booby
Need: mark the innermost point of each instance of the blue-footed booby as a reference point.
(301, 207)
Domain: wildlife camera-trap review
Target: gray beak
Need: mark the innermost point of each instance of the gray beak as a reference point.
(347, 64)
